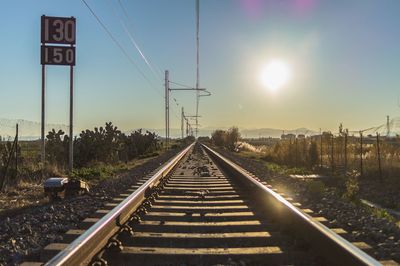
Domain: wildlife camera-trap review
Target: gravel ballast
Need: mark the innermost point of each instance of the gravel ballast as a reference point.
(23, 235)
(380, 233)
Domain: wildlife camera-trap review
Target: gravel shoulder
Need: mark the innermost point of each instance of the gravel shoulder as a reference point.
(25, 231)
(361, 222)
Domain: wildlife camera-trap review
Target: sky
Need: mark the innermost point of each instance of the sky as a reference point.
(343, 57)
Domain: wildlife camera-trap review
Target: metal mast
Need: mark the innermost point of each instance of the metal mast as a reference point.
(197, 63)
(182, 122)
(166, 108)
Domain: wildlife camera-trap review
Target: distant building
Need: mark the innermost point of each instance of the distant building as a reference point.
(288, 136)
(301, 136)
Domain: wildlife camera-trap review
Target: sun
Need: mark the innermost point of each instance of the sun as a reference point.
(275, 74)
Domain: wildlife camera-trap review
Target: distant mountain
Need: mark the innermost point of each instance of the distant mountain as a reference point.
(28, 130)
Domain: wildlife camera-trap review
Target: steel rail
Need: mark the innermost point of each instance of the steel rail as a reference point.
(81, 250)
(337, 249)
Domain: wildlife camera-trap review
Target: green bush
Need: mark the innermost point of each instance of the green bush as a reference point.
(352, 188)
(104, 144)
(95, 172)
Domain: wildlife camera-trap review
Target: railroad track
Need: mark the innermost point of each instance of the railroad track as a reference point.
(202, 209)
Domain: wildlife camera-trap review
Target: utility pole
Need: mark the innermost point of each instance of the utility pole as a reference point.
(182, 123)
(168, 90)
(197, 63)
(166, 108)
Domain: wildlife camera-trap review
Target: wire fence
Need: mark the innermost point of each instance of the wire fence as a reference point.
(369, 155)
(20, 152)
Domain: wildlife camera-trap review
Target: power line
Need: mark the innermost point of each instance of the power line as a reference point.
(104, 27)
(130, 20)
(180, 84)
(134, 42)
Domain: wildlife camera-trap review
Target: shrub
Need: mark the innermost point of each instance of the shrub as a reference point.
(352, 188)
(104, 144)
(227, 139)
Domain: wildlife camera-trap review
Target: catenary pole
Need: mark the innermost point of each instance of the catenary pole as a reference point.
(166, 108)
(182, 122)
(197, 63)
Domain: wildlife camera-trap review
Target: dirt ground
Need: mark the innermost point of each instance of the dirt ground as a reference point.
(22, 196)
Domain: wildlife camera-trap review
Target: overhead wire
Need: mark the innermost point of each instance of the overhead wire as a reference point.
(134, 42)
(136, 46)
(180, 84)
(130, 20)
(104, 27)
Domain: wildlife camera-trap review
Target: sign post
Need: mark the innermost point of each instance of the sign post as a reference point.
(58, 38)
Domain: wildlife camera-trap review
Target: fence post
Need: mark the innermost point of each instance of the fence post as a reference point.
(320, 153)
(304, 151)
(16, 151)
(361, 154)
(379, 156)
(332, 159)
(4, 179)
(345, 153)
(296, 151)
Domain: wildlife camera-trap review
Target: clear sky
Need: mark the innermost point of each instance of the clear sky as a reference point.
(344, 58)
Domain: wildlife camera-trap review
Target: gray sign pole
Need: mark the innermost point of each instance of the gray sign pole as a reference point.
(43, 140)
(60, 31)
(71, 119)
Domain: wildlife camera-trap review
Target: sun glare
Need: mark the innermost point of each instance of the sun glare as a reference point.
(275, 75)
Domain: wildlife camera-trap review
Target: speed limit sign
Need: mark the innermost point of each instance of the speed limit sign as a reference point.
(58, 38)
(57, 55)
(58, 30)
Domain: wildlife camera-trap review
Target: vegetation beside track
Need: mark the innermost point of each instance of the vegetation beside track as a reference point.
(23, 187)
(98, 154)
(365, 167)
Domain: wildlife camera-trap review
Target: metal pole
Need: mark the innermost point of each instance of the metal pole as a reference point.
(71, 120)
(43, 118)
(296, 153)
(332, 155)
(388, 126)
(16, 150)
(361, 155)
(345, 153)
(182, 115)
(166, 108)
(197, 63)
(379, 156)
(320, 147)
